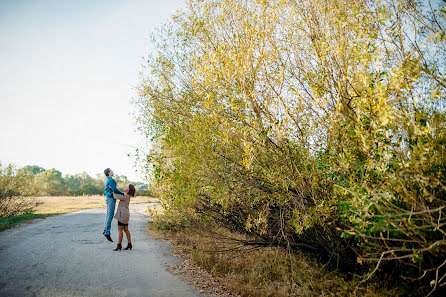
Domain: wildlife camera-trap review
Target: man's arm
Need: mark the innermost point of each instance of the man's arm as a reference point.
(113, 187)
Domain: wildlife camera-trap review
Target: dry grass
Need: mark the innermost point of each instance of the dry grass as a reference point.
(260, 272)
(12, 206)
(15, 213)
(66, 204)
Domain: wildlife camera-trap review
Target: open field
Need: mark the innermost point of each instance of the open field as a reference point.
(52, 205)
(65, 204)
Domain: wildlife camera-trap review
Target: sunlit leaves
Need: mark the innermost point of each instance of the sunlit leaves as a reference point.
(291, 119)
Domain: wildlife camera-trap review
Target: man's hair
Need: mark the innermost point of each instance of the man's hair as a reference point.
(107, 171)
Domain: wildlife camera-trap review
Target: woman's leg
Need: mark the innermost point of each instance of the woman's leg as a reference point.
(127, 233)
(120, 228)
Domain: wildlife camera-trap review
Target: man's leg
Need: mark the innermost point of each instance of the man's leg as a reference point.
(110, 212)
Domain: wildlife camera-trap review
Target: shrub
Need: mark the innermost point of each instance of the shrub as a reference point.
(315, 125)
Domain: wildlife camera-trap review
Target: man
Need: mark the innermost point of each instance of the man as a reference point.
(109, 188)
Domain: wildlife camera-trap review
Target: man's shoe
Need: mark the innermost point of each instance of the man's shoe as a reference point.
(108, 237)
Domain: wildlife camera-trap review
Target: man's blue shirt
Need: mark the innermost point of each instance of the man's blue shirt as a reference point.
(110, 187)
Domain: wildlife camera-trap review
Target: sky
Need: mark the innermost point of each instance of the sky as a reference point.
(68, 72)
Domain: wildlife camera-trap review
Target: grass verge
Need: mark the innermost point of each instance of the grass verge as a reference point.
(245, 270)
(9, 222)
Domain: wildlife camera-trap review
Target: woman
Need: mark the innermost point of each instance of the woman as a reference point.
(123, 215)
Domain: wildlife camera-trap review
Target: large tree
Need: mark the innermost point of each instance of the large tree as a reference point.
(49, 182)
(31, 170)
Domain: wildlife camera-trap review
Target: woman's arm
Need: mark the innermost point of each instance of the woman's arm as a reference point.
(120, 197)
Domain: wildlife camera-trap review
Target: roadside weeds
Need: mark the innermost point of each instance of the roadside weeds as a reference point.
(216, 265)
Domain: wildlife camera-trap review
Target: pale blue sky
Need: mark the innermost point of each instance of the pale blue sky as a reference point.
(67, 74)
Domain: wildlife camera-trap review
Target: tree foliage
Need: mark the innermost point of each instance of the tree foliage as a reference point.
(14, 182)
(311, 124)
(13, 186)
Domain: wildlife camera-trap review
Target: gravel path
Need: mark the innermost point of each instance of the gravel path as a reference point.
(67, 255)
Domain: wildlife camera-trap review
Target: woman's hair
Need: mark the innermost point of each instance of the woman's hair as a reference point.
(132, 190)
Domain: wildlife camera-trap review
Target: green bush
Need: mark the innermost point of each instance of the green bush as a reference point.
(316, 125)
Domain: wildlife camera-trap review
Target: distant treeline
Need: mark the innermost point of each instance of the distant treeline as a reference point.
(33, 180)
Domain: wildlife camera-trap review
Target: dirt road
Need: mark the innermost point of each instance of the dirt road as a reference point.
(67, 255)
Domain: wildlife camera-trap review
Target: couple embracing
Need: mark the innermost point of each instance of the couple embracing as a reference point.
(122, 213)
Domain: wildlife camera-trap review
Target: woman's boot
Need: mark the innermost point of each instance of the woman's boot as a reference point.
(118, 247)
(129, 246)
